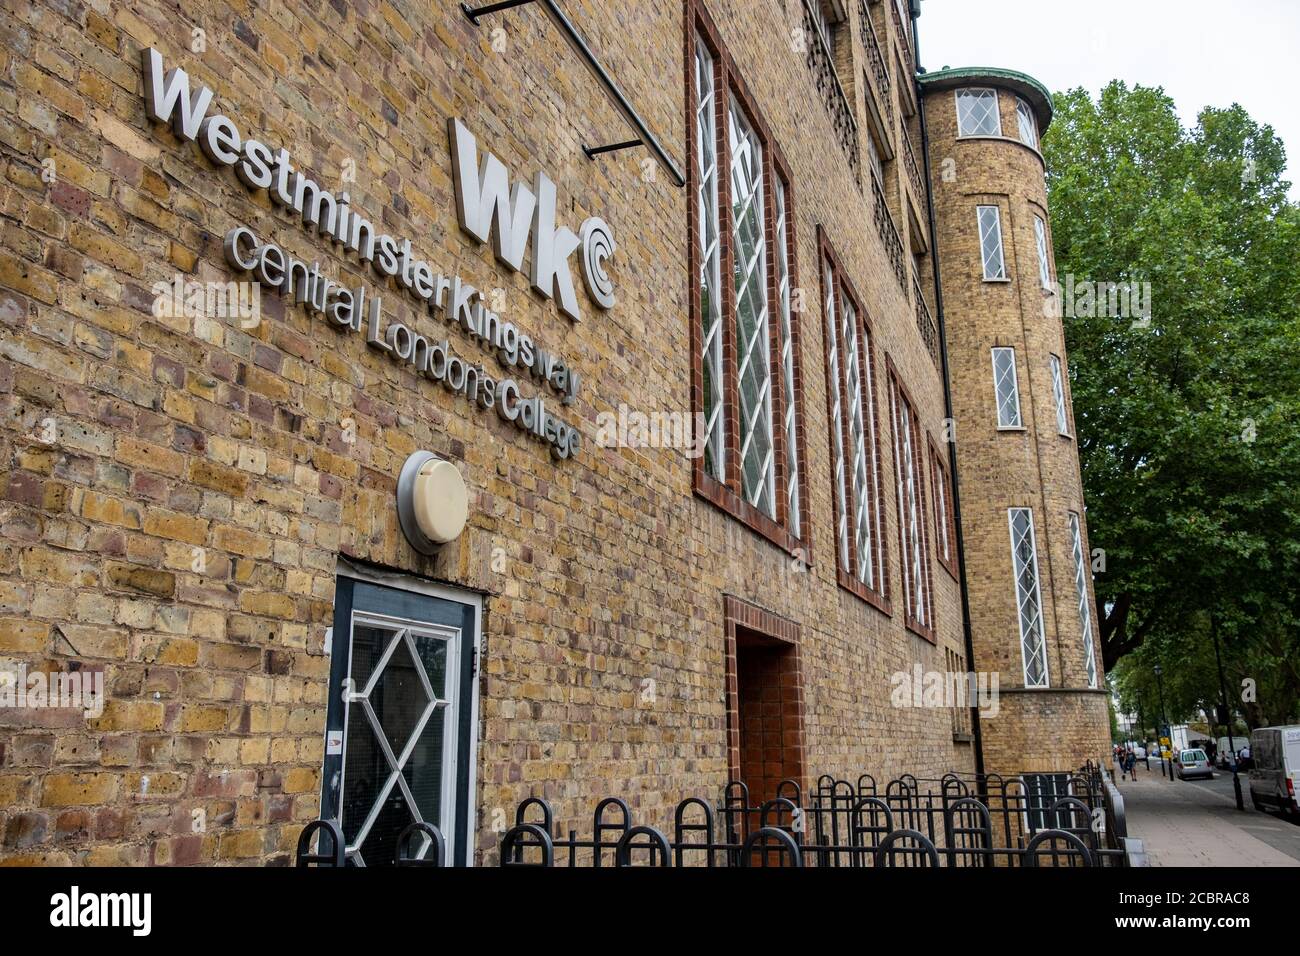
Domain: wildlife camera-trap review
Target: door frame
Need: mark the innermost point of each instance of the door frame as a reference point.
(345, 568)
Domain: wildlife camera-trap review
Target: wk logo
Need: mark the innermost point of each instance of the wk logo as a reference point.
(490, 209)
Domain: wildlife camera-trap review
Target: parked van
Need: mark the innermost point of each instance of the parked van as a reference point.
(1275, 775)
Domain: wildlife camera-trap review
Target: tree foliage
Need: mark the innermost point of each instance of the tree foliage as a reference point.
(1188, 421)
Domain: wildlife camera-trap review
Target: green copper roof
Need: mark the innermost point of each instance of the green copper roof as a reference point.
(1022, 83)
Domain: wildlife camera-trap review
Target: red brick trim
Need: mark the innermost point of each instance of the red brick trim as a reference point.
(725, 491)
(913, 423)
(740, 615)
(847, 576)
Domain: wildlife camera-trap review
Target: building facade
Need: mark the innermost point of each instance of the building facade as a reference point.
(386, 449)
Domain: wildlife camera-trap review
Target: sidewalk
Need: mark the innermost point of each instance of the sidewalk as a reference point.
(1185, 823)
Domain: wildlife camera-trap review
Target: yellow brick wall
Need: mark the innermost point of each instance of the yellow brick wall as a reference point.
(133, 444)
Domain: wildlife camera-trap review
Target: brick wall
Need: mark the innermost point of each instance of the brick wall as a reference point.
(177, 491)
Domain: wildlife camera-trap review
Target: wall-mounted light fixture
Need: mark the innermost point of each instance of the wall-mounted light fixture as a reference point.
(432, 502)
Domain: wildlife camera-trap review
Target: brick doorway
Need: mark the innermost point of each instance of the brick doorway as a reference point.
(765, 700)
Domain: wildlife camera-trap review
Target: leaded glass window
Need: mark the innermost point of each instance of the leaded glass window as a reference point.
(790, 425)
(854, 442)
(1044, 261)
(1058, 395)
(749, 262)
(911, 507)
(750, 460)
(990, 229)
(837, 420)
(1085, 605)
(1029, 602)
(977, 113)
(710, 287)
(1027, 123)
(1006, 388)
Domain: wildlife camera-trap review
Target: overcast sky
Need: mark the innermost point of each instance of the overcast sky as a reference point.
(1203, 52)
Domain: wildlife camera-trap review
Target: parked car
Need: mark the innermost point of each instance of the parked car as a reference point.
(1193, 763)
(1139, 751)
(1276, 770)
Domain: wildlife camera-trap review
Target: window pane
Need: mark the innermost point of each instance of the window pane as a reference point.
(941, 506)
(710, 265)
(1058, 393)
(900, 493)
(977, 113)
(1044, 263)
(396, 752)
(990, 225)
(1085, 606)
(749, 253)
(837, 420)
(783, 253)
(1005, 388)
(911, 513)
(1024, 561)
(1028, 124)
(856, 367)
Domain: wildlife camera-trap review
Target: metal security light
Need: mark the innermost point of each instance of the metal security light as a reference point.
(612, 92)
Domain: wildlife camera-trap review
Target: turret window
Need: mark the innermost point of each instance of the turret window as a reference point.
(1044, 262)
(990, 226)
(1029, 599)
(1006, 388)
(1058, 394)
(1028, 124)
(1085, 606)
(977, 113)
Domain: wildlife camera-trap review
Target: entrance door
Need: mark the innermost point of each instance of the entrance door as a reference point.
(400, 725)
(767, 685)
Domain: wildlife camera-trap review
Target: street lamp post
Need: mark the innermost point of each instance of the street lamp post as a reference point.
(1146, 751)
(1164, 718)
(1227, 715)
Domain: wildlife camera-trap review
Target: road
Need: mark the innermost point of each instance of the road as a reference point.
(1197, 823)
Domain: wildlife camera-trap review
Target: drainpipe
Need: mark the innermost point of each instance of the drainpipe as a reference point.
(947, 393)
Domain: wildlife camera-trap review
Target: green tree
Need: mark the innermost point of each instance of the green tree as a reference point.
(1188, 415)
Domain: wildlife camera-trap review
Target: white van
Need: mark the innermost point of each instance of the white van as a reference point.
(1275, 774)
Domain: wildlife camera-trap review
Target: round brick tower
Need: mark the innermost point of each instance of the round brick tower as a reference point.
(1027, 560)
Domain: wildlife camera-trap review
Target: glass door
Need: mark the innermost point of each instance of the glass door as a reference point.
(399, 729)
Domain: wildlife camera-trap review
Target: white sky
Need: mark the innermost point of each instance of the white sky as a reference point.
(1203, 52)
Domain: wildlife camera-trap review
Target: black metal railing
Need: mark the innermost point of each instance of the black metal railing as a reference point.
(959, 820)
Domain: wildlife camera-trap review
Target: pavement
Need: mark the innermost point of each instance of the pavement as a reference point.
(1197, 823)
